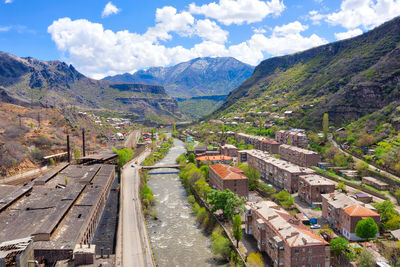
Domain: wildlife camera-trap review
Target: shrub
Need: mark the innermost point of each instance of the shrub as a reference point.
(366, 228)
(191, 199)
(255, 260)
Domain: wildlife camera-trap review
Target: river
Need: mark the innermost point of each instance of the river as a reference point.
(175, 237)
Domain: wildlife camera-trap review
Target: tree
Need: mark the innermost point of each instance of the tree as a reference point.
(205, 169)
(366, 140)
(255, 260)
(260, 124)
(220, 244)
(237, 229)
(284, 198)
(77, 153)
(361, 167)
(341, 186)
(366, 259)
(254, 177)
(124, 155)
(366, 228)
(339, 245)
(325, 124)
(227, 201)
(192, 158)
(386, 209)
(397, 195)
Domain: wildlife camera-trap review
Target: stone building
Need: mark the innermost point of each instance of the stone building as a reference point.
(280, 173)
(341, 219)
(223, 177)
(229, 150)
(299, 156)
(284, 238)
(312, 186)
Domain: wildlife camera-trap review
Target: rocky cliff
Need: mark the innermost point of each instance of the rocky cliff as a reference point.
(54, 83)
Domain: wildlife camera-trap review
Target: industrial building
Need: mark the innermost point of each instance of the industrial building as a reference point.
(59, 210)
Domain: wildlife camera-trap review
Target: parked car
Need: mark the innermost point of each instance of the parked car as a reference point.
(315, 226)
(378, 170)
(133, 166)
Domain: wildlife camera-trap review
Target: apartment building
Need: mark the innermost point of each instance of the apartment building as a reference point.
(312, 186)
(341, 219)
(296, 137)
(229, 150)
(223, 177)
(280, 173)
(259, 142)
(300, 156)
(284, 238)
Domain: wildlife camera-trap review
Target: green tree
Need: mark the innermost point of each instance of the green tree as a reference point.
(361, 167)
(237, 229)
(66, 180)
(205, 169)
(397, 195)
(227, 201)
(77, 153)
(260, 124)
(284, 198)
(254, 177)
(124, 155)
(255, 260)
(366, 140)
(366, 228)
(366, 259)
(153, 134)
(339, 245)
(220, 245)
(192, 158)
(341, 186)
(325, 125)
(386, 209)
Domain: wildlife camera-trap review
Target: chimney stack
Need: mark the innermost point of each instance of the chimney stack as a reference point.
(68, 149)
(83, 142)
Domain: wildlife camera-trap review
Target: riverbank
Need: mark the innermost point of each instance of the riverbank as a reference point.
(176, 237)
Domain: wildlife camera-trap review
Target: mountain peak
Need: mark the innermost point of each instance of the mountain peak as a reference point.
(196, 77)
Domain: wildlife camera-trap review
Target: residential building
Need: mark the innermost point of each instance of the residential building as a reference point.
(259, 142)
(214, 159)
(270, 146)
(296, 137)
(284, 238)
(352, 215)
(312, 186)
(378, 184)
(280, 173)
(223, 177)
(229, 150)
(18, 253)
(299, 156)
(333, 209)
(242, 155)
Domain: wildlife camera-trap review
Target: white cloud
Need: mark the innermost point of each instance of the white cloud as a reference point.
(210, 31)
(8, 1)
(259, 30)
(5, 28)
(110, 9)
(348, 34)
(168, 20)
(98, 52)
(238, 11)
(360, 13)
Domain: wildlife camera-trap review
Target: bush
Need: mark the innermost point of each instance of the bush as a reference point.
(220, 245)
(255, 260)
(285, 199)
(14, 131)
(37, 154)
(191, 199)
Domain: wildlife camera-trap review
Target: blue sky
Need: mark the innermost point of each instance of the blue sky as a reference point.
(108, 37)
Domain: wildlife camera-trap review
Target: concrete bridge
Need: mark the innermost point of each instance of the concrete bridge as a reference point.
(170, 166)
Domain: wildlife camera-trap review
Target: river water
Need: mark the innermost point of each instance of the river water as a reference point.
(175, 237)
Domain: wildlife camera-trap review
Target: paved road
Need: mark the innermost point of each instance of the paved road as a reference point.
(132, 139)
(369, 165)
(136, 250)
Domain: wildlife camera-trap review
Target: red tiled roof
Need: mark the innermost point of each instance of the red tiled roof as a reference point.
(360, 211)
(270, 141)
(211, 158)
(228, 172)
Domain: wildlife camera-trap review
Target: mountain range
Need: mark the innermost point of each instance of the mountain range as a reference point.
(346, 79)
(28, 81)
(197, 77)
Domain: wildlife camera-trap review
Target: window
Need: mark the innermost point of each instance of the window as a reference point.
(318, 265)
(309, 250)
(309, 258)
(296, 251)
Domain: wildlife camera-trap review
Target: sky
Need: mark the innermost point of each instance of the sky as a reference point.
(103, 38)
